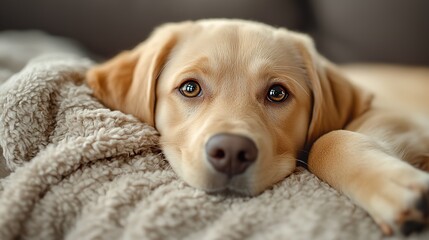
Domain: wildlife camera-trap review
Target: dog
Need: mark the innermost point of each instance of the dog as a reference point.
(239, 103)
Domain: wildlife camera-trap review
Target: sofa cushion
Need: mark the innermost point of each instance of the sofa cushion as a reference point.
(108, 26)
(366, 30)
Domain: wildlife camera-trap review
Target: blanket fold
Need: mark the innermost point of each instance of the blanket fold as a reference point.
(82, 171)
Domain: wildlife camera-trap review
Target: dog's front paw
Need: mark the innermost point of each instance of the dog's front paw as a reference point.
(402, 203)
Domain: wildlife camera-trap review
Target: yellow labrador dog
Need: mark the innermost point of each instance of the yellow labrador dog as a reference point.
(238, 102)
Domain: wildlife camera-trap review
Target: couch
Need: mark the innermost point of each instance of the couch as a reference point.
(393, 31)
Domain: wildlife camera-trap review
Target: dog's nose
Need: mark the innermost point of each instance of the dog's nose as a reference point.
(230, 153)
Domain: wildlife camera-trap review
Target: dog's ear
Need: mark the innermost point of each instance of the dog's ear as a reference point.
(336, 101)
(127, 82)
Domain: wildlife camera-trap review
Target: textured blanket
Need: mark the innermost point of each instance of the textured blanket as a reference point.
(82, 171)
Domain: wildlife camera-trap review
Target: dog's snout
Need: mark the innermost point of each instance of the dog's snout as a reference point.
(231, 154)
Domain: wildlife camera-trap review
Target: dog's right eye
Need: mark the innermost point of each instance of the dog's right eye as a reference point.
(190, 89)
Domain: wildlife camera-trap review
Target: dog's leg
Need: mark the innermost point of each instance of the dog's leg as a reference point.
(393, 192)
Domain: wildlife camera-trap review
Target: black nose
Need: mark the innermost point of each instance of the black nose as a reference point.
(231, 154)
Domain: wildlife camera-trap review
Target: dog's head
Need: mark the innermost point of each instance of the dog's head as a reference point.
(235, 102)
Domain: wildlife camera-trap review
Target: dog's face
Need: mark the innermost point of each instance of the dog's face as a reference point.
(235, 102)
(243, 81)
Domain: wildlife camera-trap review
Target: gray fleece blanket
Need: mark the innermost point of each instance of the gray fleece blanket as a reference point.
(82, 171)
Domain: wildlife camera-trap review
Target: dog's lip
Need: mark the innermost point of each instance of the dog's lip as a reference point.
(215, 190)
(228, 188)
(228, 191)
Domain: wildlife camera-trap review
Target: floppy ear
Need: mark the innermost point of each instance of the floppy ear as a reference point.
(127, 82)
(336, 101)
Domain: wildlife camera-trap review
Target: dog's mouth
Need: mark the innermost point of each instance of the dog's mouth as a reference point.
(227, 191)
(223, 183)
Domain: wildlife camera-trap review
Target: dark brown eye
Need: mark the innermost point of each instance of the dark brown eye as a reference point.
(190, 89)
(277, 94)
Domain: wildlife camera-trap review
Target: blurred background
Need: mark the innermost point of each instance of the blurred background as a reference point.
(389, 31)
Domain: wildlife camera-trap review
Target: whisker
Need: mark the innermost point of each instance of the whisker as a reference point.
(162, 69)
(288, 67)
(302, 162)
(300, 85)
(299, 73)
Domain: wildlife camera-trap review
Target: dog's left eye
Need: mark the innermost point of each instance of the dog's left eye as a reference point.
(277, 94)
(190, 89)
